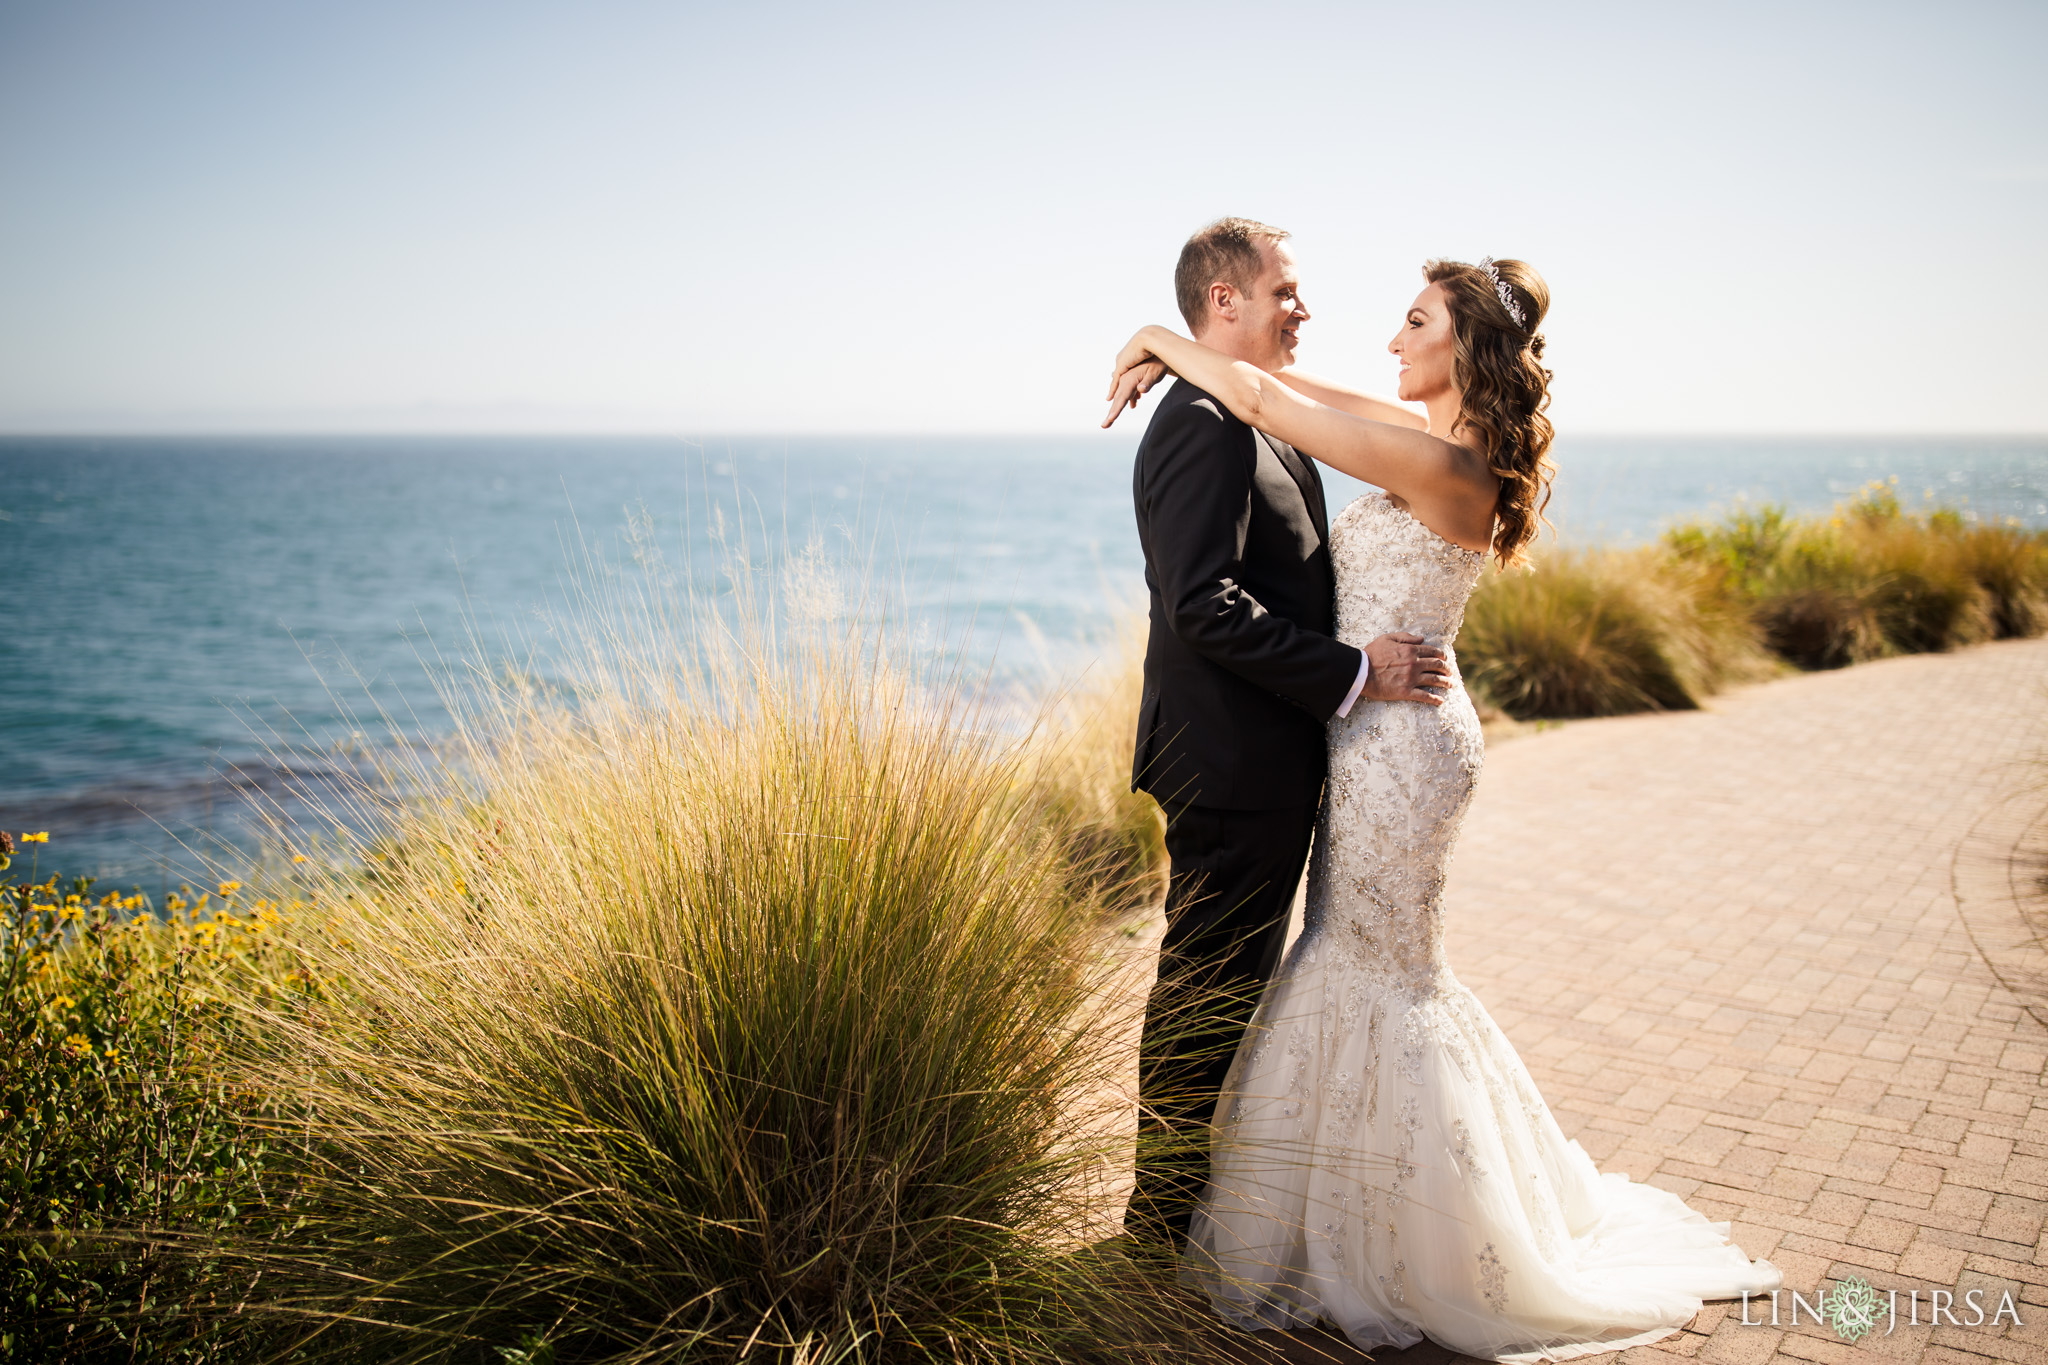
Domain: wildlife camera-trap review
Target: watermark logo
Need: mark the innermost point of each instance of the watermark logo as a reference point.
(1854, 1309)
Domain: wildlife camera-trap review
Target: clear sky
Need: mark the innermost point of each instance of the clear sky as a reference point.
(427, 215)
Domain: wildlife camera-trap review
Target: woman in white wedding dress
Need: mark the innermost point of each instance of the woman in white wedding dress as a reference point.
(1382, 1160)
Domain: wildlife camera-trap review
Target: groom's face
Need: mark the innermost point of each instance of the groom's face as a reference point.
(1258, 323)
(1272, 310)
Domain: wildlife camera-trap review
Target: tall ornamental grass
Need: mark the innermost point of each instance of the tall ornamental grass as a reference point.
(1874, 579)
(1081, 772)
(1601, 632)
(1598, 633)
(741, 1004)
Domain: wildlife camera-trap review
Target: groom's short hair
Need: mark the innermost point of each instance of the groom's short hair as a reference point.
(1227, 250)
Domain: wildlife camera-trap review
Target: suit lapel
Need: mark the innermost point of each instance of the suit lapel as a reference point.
(1304, 475)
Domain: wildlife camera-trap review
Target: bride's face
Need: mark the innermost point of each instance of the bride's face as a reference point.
(1425, 345)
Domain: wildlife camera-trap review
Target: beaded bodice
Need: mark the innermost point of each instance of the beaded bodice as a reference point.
(1394, 573)
(1401, 773)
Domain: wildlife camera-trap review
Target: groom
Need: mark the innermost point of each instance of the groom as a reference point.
(1241, 673)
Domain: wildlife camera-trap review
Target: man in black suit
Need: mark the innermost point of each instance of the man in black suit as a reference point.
(1241, 674)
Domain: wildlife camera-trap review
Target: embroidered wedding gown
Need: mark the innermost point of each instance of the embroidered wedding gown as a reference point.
(1382, 1160)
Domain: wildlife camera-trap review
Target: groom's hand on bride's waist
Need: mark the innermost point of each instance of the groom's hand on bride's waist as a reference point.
(1403, 668)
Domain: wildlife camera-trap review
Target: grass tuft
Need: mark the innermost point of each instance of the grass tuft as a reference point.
(744, 1008)
(1599, 633)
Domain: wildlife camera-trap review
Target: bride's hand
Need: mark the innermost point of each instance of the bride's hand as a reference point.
(1132, 384)
(1136, 351)
(1135, 371)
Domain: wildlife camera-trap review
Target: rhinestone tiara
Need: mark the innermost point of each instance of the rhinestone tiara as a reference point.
(1504, 293)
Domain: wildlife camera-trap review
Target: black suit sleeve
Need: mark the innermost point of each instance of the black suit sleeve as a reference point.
(1198, 495)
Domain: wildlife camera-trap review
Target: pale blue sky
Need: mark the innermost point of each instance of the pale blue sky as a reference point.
(664, 217)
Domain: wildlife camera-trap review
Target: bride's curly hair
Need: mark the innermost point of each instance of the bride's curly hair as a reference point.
(1499, 370)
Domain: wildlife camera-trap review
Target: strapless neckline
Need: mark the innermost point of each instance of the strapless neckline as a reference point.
(1386, 500)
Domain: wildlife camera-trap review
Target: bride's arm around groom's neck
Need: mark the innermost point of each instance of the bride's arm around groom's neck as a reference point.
(1371, 406)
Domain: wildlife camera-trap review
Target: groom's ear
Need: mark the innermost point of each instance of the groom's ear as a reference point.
(1223, 300)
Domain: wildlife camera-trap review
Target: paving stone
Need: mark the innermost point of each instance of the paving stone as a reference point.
(1792, 1025)
(1727, 945)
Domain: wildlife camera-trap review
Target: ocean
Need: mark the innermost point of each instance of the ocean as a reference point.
(180, 612)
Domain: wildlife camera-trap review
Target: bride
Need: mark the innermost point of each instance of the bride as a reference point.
(1382, 1160)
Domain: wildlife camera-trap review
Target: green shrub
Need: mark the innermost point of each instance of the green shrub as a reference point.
(1744, 546)
(1873, 579)
(122, 1153)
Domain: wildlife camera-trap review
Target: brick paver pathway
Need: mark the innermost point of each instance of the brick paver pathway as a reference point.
(1727, 944)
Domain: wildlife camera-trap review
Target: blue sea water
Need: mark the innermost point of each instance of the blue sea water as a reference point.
(180, 611)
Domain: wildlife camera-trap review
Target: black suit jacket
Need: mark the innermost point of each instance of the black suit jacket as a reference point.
(1241, 670)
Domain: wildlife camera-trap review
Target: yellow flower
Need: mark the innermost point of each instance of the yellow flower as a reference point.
(42, 838)
(64, 1002)
(230, 888)
(72, 913)
(113, 1054)
(78, 1042)
(298, 857)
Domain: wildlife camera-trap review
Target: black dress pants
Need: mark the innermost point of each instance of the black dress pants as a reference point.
(1233, 881)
